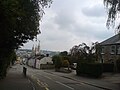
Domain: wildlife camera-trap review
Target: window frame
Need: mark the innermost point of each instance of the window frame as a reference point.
(118, 50)
(113, 50)
(103, 50)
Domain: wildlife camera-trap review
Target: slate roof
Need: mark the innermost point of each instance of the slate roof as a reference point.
(112, 40)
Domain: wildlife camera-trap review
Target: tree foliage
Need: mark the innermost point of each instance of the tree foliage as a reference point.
(83, 52)
(64, 53)
(61, 60)
(113, 7)
(19, 22)
(57, 62)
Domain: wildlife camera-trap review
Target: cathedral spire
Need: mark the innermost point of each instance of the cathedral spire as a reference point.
(33, 48)
(39, 46)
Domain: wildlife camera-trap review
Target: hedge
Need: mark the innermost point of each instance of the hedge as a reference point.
(89, 69)
(118, 68)
(118, 65)
(108, 67)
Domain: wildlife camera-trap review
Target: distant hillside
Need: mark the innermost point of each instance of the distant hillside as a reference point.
(51, 53)
(26, 51)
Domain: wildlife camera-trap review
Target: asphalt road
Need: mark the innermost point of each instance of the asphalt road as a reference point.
(48, 81)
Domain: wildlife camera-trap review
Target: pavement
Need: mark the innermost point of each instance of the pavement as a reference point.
(108, 81)
(111, 77)
(15, 80)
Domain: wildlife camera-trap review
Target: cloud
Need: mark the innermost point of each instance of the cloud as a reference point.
(72, 22)
(94, 11)
(64, 20)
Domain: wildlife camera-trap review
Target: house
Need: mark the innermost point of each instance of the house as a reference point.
(46, 63)
(31, 61)
(41, 62)
(110, 49)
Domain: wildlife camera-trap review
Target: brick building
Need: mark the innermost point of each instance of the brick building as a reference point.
(110, 49)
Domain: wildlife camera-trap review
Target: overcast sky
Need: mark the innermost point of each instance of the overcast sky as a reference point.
(70, 22)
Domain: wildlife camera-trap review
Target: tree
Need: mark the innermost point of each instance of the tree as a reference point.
(83, 52)
(57, 62)
(113, 7)
(64, 53)
(75, 53)
(19, 22)
(65, 59)
(61, 60)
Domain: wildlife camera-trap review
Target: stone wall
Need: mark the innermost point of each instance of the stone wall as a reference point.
(107, 56)
(47, 66)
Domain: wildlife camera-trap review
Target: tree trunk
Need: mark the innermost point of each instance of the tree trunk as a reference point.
(5, 58)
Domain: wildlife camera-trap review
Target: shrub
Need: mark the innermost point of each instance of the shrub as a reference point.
(89, 69)
(118, 65)
(65, 63)
(57, 62)
(108, 67)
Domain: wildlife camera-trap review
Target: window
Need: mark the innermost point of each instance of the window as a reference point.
(112, 49)
(118, 49)
(103, 50)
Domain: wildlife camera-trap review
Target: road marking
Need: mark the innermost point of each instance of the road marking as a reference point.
(38, 80)
(42, 84)
(46, 88)
(64, 85)
(82, 83)
(39, 84)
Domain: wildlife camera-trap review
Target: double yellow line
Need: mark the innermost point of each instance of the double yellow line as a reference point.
(40, 83)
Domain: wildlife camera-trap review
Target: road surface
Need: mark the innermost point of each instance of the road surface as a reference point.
(48, 81)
